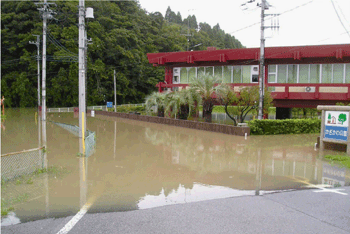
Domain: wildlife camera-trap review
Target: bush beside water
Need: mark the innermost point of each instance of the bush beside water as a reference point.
(127, 109)
(285, 126)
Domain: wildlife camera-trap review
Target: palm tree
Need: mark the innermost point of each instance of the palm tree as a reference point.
(156, 99)
(205, 86)
(180, 103)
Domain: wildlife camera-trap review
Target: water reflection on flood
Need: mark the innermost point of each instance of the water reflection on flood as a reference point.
(140, 165)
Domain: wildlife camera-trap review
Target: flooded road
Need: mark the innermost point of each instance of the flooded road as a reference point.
(139, 165)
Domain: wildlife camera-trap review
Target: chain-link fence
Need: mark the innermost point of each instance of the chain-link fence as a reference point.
(90, 138)
(69, 127)
(90, 143)
(21, 163)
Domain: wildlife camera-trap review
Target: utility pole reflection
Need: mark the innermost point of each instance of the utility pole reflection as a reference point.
(258, 173)
(115, 138)
(83, 165)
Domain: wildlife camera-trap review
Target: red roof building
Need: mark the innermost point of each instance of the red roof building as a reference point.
(298, 76)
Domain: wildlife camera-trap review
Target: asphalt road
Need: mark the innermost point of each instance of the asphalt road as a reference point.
(303, 211)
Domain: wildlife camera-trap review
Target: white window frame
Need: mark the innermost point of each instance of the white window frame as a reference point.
(272, 73)
(344, 72)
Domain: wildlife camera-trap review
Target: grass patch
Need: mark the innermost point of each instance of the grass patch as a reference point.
(339, 159)
(8, 202)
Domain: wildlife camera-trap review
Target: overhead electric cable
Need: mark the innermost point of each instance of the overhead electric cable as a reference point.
(335, 9)
(270, 17)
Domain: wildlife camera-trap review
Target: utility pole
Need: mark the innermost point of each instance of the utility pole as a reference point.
(115, 93)
(262, 59)
(188, 35)
(82, 101)
(37, 43)
(274, 25)
(46, 14)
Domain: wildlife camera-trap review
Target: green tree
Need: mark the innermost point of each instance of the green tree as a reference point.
(342, 118)
(245, 102)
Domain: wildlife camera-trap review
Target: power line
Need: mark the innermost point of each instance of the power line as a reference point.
(270, 17)
(59, 45)
(333, 36)
(335, 9)
(342, 13)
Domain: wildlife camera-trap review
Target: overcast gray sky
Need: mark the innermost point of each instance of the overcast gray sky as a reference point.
(312, 23)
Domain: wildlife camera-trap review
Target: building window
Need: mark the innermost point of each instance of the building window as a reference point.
(246, 74)
(315, 73)
(183, 75)
(304, 73)
(347, 73)
(281, 74)
(209, 71)
(227, 72)
(237, 74)
(326, 73)
(192, 74)
(292, 74)
(200, 70)
(338, 73)
(218, 72)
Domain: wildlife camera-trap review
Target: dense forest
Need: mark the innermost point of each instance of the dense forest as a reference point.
(122, 34)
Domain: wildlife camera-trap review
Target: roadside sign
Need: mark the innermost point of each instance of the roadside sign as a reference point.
(336, 125)
(109, 104)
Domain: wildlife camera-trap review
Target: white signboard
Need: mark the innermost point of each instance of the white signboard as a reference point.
(336, 125)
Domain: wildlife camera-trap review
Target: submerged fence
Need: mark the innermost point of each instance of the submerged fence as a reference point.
(90, 138)
(21, 163)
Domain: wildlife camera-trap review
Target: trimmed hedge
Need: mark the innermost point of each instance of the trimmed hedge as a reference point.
(284, 126)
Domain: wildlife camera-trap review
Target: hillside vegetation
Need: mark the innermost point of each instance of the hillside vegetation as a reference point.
(122, 34)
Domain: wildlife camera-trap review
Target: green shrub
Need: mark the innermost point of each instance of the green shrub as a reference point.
(286, 126)
(127, 109)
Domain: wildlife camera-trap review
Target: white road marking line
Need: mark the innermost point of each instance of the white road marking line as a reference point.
(331, 191)
(75, 219)
(321, 187)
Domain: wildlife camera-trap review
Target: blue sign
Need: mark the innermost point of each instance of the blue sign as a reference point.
(109, 104)
(336, 133)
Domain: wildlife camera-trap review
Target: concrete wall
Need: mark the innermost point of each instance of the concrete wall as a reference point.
(212, 127)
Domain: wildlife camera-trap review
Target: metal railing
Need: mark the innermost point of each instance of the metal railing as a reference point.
(61, 109)
(21, 163)
(71, 109)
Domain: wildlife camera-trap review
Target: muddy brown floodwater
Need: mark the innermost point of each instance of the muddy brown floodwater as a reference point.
(138, 165)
